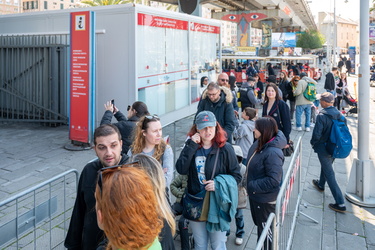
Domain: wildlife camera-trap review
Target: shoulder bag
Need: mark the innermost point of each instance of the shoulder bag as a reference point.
(195, 207)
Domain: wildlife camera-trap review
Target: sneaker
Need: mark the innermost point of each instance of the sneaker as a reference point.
(239, 241)
(307, 129)
(293, 121)
(312, 125)
(316, 185)
(337, 208)
(299, 129)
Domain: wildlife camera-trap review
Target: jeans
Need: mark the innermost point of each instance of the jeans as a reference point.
(239, 223)
(292, 108)
(327, 174)
(202, 236)
(299, 110)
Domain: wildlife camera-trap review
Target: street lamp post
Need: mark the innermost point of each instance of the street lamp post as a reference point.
(334, 33)
(360, 189)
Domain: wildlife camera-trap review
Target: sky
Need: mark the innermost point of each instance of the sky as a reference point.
(345, 10)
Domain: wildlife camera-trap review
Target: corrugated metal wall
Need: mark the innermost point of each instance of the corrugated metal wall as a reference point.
(34, 78)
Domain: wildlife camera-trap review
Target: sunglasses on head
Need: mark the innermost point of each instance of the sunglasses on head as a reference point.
(108, 169)
(150, 117)
(129, 107)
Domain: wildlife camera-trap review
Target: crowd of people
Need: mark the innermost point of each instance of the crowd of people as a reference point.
(233, 154)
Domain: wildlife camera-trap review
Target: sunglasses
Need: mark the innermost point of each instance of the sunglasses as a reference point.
(150, 117)
(224, 80)
(100, 172)
(129, 107)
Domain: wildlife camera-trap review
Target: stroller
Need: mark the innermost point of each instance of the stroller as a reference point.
(351, 102)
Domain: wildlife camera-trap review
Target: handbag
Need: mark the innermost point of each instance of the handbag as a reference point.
(195, 207)
(289, 151)
(242, 198)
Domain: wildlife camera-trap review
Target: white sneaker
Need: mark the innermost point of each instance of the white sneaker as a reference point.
(293, 121)
(299, 129)
(307, 129)
(239, 241)
(312, 125)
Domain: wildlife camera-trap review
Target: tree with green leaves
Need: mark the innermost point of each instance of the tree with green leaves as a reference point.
(311, 39)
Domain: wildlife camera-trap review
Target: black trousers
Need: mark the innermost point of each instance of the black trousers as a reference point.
(260, 213)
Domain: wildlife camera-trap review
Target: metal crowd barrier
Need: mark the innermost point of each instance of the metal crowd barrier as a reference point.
(38, 218)
(266, 233)
(287, 203)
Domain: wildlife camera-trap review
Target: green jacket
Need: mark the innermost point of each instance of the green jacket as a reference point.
(178, 186)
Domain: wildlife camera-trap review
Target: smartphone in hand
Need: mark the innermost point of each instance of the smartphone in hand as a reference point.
(113, 104)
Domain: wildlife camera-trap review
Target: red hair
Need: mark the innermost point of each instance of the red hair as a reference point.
(220, 137)
(128, 205)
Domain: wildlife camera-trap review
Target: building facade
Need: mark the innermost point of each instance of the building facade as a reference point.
(347, 31)
(9, 7)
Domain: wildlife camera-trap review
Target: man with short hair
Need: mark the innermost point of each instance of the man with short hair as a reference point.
(247, 95)
(302, 104)
(218, 100)
(320, 137)
(84, 232)
(330, 84)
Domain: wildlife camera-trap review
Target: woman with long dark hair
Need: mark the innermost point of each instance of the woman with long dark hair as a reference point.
(205, 146)
(264, 172)
(126, 124)
(277, 109)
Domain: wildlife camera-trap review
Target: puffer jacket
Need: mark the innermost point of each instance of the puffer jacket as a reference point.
(226, 164)
(223, 110)
(126, 127)
(298, 92)
(265, 170)
(323, 125)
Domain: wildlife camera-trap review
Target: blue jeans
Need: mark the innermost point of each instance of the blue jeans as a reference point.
(327, 174)
(202, 236)
(299, 110)
(239, 223)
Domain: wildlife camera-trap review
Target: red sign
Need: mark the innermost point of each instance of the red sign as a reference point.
(205, 28)
(79, 76)
(162, 22)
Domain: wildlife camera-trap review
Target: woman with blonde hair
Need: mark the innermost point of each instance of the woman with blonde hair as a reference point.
(154, 171)
(148, 140)
(127, 216)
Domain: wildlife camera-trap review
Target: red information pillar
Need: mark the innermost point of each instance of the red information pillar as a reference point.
(80, 76)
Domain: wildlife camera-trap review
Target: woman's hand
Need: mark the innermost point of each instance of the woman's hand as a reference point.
(108, 106)
(287, 146)
(196, 138)
(209, 185)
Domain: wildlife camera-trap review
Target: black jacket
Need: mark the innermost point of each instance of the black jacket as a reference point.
(323, 125)
(126, 127)
(265, 170)
(280, 112)
(84, 232)
(223, 110)
(330, 81)
(226, 164)
(283, 87)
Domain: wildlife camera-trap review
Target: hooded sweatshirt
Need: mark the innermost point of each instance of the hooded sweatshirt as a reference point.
(244, 136)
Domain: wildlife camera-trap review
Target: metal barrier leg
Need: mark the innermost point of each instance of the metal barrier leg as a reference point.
(309, 217)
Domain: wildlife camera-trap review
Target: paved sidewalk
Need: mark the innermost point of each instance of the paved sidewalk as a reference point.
(31, 154)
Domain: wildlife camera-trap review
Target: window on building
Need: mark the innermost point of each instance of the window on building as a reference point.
(45, 5)
(61, 6)
(32, 5)
(27, 5)
(36, 5)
